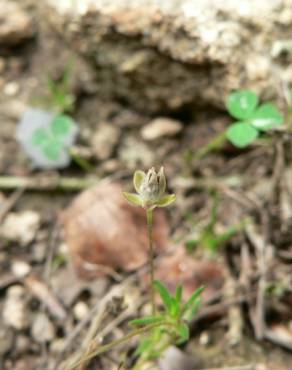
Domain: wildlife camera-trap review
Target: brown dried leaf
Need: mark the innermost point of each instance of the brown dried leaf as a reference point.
(181, 268)
(104, 233)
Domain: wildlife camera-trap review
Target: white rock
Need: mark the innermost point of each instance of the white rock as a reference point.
(80, 310)
(161, 127)
(20, 227)
(42, 328)
(20, 268)
(15, 311)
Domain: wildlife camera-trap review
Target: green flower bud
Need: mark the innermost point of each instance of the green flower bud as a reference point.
(151, 190)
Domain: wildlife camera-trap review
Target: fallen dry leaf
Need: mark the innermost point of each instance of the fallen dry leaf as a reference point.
(181, 268)
(104, 233)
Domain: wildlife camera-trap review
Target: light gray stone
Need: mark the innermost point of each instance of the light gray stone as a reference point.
(168, 54)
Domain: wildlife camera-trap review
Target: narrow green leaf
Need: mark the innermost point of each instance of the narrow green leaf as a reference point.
(241, 104)
(266, 117)
(178, 293)
(133, 199)
(147, 320)
(166, 200)
(241, 134)
(184, 332)
(193, 298)
(137, 179)
(164, 294)
(61, 125)
(144, 346)
(192, 311)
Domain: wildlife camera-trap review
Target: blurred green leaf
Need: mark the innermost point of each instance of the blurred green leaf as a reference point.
(266, 117)
(241, 104)
(52, 149)
(62, 125)
(40, 136)
(183, 331)
(241, 134)
(166, 201)
(164, 294)
(137, 179)
(133, 199)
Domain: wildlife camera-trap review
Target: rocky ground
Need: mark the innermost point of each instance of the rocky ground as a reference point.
(144, 96)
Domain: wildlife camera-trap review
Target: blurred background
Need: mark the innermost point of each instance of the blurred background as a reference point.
(92, 90)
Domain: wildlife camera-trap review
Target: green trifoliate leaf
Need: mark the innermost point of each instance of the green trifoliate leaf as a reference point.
(266, 117)
(242, 104)
(241, 134)
(147, 320)
(133, 199)
(184, 332)
(137, 179)
(164, 294)
(166, 200)
(61, 126)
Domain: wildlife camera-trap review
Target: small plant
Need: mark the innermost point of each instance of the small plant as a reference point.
(173, 323)
(169, 325)
(150, 190)
(252, 118)
(211, 240)
(61, 97)
(53, 140)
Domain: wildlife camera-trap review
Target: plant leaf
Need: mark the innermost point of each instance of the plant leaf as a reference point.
(241, 104)
(39, 136)
(178, 293)
(164, 294)
(133, 199)
(241, 134)
(197, 293)
(52, 150)
(266, 117)
(61, 126)
(183, 331)
(137, 179)
(166, 200)
(147, 320)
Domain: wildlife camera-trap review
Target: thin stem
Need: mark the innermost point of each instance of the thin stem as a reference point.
(149, 213)
(111, 345)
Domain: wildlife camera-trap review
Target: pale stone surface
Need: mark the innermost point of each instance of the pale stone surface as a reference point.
(14, 312)
(164, 55)
(16, 25)
(161, 127)
(20, 227)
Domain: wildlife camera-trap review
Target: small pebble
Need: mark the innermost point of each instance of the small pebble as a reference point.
(42, 329)
(20, 227)
(105, 140)
(14, 311)
(20, 268)
(204, 339)
(161, 127)
(11, 89)
(80, 310)
(6, 339)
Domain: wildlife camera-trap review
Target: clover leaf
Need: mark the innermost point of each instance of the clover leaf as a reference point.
(252, 118)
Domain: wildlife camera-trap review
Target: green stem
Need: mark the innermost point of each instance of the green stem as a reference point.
(149, 213)
(214, 144)
(107, 347)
